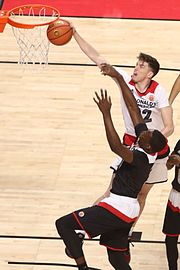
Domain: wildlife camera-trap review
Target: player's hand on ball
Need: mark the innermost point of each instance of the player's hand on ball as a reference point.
(73, 27)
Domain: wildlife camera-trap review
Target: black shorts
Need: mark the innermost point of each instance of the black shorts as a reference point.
(96, 221)
(171, 225)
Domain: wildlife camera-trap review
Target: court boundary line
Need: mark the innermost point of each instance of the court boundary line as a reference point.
(86, 239)
(47, 263)
(122, 18)
(87, 65)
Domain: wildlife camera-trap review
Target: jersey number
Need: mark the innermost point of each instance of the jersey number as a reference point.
(147, 116)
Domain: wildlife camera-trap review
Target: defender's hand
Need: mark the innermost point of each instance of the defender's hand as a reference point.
(103, 101)
(109, 70)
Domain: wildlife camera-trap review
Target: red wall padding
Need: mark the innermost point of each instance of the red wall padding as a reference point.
(153, 9)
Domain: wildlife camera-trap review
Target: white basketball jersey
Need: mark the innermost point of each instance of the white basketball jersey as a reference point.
(150, 102)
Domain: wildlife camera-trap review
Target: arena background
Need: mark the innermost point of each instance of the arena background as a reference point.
(161, 9)
(54, 153)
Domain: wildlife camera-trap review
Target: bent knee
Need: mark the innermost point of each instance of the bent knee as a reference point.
(60, 224)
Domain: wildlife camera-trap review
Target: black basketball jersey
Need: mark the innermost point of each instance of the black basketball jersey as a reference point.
(176, 181)
(130, 177)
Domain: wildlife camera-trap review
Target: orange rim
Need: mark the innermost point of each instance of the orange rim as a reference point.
(26, 7)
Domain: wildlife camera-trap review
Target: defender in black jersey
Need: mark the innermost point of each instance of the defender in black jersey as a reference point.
(113, 217)
(171, 225)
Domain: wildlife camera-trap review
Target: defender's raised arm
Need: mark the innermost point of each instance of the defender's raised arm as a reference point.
(126, 92)
(104, 104)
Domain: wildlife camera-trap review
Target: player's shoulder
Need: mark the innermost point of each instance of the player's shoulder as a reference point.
(144, 156)
(157, 87)
(159, 92)
(140, 158)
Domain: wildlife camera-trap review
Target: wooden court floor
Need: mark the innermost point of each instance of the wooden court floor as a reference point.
(54, 153)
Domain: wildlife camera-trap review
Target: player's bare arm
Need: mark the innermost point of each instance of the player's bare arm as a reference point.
(167, 117)
(88, 49)
(104, 104)
(129, 99)
(175, 90)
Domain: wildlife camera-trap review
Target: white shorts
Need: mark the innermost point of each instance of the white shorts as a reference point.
(174, 198)
(126, 205)
(159, 172)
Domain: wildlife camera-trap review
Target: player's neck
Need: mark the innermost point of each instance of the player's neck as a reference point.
(143, 86)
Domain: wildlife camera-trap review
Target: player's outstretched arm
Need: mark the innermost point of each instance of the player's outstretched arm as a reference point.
(175, 90)
(129, 99)
(88, 49)
(104, 104)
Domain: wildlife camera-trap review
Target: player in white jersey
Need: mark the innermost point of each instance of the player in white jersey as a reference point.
(149, 102)
(142, 84)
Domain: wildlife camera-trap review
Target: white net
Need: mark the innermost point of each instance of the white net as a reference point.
(33, 42)
(33, 45)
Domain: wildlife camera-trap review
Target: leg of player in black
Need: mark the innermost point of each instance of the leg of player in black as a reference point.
(172, 251)
(117, 260)
(66, 227)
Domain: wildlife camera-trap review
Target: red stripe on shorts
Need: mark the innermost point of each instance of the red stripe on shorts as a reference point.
(116, 212)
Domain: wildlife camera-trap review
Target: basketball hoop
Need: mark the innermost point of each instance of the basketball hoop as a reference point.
(29, 24)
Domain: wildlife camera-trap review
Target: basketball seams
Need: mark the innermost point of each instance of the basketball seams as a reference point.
(62, 34)
(50, 28)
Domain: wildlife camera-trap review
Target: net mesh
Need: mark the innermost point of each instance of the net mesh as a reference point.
(33, 42)
(33, 45)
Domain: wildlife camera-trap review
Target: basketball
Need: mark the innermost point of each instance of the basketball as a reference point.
(59, 32)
